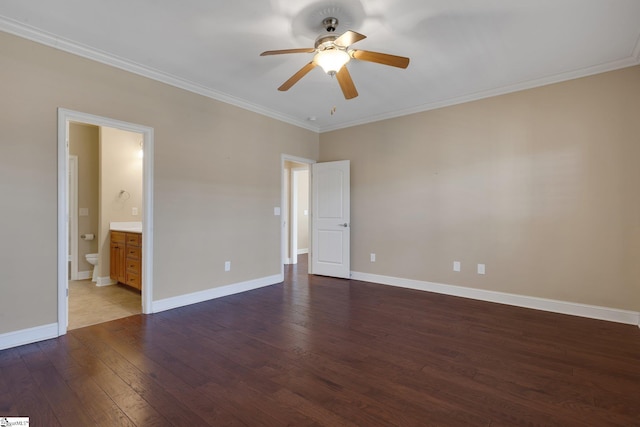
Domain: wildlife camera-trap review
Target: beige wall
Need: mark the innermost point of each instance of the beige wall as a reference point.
(541, 185)
(217, 177)
(120, 185)
(84, 142)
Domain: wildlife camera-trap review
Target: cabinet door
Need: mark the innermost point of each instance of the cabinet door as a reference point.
(113, 261)
(117, 262)
(122, 264)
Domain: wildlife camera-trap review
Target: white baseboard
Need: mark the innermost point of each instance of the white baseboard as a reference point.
(288, 261)
(105, 281)
(555, 306)
(45, 332)
(303, 251)
(28, 336)
(84, 275)
(222, 291)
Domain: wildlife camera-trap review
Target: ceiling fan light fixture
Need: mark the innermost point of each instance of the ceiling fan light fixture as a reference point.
(332, 52)
(331, 60)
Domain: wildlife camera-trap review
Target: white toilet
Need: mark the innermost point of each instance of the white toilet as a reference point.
(93, 260)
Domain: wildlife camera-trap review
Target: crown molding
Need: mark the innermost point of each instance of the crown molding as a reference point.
(630, 61)
(36, 35)
(31, 33)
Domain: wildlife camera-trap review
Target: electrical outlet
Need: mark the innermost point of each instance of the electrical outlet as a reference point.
(83, 212)
(480, 268)
(456, 265)
(134, 211)
(373, 257)
(227, 266)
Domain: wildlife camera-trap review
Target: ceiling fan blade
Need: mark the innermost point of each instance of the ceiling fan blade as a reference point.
(346, 83)
(283, 51)
(297, 76)
(381, 58)
(349, 38)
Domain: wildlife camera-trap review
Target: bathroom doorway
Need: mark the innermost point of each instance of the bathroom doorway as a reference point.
(113, 188)
(107, 189)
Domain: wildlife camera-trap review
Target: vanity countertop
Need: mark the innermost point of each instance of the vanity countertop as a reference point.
(129, 227)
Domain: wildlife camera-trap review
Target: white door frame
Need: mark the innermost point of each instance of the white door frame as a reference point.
(283, 194)
(64, 117)
(73, 215)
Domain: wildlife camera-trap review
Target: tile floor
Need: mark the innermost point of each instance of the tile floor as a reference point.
(90, 304)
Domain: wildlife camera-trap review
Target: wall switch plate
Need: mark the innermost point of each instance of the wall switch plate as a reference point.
(373, 257)
(134, 211)
(83, 212)
(276, 211)
(480, 268)
(456, 265)
(227, 266)
(306, 212)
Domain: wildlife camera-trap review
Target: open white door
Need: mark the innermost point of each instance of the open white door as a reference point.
(330, 246)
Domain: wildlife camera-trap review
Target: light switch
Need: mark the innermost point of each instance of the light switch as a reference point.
(480, 268)
(227, 266)
(373, 257)
(276, 211)
(306, 212)
(134, 211)
(456, 265)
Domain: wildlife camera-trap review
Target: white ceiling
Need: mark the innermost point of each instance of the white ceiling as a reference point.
(460, 50)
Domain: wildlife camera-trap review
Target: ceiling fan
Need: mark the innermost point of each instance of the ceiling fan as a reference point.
(332, 52)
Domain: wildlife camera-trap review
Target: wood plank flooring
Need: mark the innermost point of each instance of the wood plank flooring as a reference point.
(90, 304)
(317, 351)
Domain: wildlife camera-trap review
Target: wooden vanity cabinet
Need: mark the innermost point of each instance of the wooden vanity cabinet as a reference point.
(126, 257)
(117, 256)
(132, 261)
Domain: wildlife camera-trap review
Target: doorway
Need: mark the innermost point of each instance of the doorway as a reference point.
(144, 135)
(328, 219)
(108, 161)
(295, 208)
(299, 212)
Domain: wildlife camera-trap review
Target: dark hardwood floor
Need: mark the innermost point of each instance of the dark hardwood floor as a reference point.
(331, 352)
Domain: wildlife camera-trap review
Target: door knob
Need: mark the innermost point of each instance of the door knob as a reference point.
(343, 225)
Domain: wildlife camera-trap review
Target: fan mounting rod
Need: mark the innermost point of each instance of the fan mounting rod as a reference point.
(330, 24)
(325, 41)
